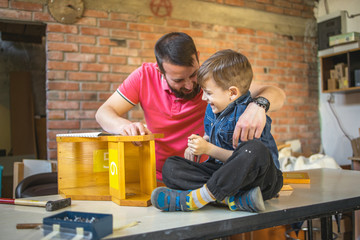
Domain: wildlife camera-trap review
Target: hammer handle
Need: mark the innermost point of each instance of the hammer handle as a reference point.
(25, 202)
(30, 202)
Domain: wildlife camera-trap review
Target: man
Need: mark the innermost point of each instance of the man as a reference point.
(170, 97)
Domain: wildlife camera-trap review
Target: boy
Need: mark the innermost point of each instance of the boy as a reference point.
(242, 178)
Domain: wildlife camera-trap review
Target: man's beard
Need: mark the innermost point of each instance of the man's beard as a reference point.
(180, 94)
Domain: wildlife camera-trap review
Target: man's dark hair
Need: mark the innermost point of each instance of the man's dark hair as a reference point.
(176, 48)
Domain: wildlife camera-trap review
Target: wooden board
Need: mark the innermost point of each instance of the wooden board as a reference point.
(296, 177)
(22, 114)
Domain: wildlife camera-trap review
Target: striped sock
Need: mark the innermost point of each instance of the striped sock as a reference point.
(198, 198)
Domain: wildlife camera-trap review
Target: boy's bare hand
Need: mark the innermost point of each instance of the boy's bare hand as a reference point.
(197, 145)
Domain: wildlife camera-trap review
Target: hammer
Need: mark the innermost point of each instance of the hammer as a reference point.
(49, 205)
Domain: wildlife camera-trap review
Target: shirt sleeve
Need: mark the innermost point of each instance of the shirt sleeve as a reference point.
(130, 88)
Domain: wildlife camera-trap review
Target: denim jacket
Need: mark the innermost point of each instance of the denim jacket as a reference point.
(220, 127)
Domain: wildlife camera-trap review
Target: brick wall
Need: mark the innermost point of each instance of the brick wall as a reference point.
(88, 60)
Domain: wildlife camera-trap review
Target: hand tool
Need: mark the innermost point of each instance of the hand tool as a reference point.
(49, 205)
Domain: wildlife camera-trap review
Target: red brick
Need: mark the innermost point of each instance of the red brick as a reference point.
(123, 69)
(55, 95)
(152, 20)
(51, 154)
(87, 21)
(81, 39)
(265, 48)
(245, 31)
(55, 37)
(134, 61)
(104, 96)
(79, 57)
(94, 31)
(235, 2)
(4, 3)
(80, 114)
(147, 53)
(63, 124)
(62, 86)
(95, 87)
(81, 96)
(123, 16)
(42, 17)
(53, 144)
(124, 51)
(36, 7)
(82, 76)
(90, 105)
(284, 64)
(202, 26)
(95, 13)
(123, 34)
(15, 14)
(55, 27)
(94, 49)
(55, 75)
(94, 67)
(265, 63)
(258, 40)
(62, 105)
(178, 23)
(112, 24)
(141, 27)
(118, 78)
(66, 47)
(56, 115)
(112, 59)
(149, 44)
(107, 41)
(269, 55)
(55, 56)
(54, 65)
(282, 3)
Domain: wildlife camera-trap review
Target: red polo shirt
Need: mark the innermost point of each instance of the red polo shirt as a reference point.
(176, 118)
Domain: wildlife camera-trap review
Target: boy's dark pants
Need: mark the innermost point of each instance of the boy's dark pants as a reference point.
(250, 165)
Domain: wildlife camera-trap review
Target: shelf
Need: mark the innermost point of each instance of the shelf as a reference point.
(350, 61)
(342, 90)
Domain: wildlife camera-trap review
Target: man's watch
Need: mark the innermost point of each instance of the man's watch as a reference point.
(262, 102)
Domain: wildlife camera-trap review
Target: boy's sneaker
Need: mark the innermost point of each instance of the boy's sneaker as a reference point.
(169, 200)
(251, 201)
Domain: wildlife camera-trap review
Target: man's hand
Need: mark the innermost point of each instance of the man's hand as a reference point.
(133, 129)
(250, 124)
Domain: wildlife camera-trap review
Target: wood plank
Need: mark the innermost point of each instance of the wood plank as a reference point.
(22, 114)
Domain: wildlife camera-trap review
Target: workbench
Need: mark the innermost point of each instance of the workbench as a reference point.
(330, 192)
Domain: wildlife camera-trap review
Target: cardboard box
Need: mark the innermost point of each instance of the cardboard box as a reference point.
(333, 74)
(344, 38)
(343, 82)
(332, 84)
(340, 70)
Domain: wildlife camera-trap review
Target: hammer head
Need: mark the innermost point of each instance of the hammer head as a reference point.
(58, 204)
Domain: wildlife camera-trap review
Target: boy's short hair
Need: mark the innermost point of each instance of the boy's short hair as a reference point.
(227, 68)
(176, 48)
